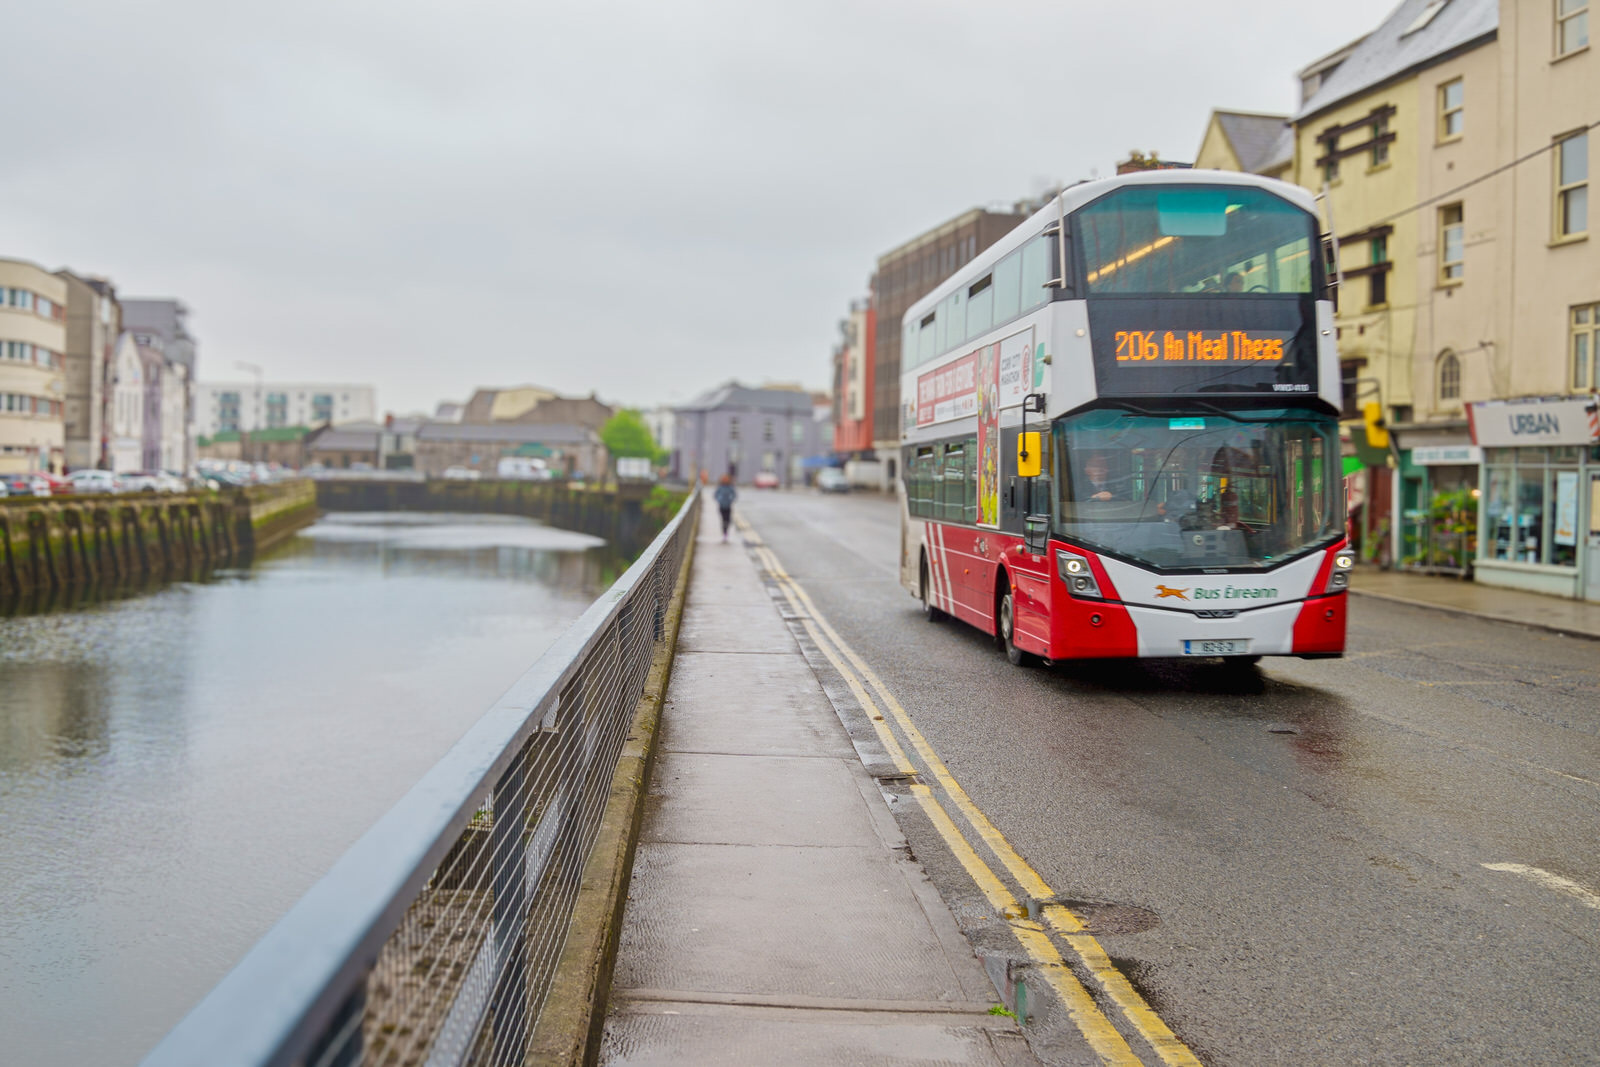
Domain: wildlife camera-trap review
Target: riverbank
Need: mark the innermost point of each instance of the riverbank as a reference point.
(51, 546)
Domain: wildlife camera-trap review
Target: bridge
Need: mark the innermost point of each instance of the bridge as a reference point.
(752, 807)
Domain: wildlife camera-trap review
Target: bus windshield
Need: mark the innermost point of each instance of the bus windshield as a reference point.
(1203, 490)
(1215, 239)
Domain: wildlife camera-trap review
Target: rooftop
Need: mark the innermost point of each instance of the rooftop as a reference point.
(1416, 34)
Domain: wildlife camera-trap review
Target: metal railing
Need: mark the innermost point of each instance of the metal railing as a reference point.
(434, 939)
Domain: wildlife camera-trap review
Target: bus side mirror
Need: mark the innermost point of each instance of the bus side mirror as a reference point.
(1028, 454)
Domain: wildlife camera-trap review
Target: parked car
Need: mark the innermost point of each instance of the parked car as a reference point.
(139, 482)
(58, 486)
(93, 481)
(27, 485)
(766, 480)
(464, 474)
(4, 492)
(832, 480)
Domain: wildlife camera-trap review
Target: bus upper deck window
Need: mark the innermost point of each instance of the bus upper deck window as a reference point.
(1192, 213)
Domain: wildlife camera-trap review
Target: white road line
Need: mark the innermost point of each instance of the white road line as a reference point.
(1550, 881)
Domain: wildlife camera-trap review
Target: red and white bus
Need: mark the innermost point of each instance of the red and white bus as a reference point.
(1161, 347)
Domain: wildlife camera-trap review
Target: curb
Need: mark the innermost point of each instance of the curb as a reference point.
(572, 1022)
(1563, 631)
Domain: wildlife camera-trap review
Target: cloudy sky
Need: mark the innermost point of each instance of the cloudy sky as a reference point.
(639, 198)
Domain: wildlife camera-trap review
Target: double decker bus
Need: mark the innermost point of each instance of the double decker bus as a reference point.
(1120, 428)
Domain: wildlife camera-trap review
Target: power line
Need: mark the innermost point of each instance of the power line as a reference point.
(1482, 177)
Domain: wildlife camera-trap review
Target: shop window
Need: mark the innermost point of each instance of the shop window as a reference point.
(1584, 344)
(1452, 110)
(1532, 506)
(1449, 377)
(1572, 186)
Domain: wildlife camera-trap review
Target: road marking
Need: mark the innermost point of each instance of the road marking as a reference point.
(1091, 1022)
(1549, 881)
(1139, 1014)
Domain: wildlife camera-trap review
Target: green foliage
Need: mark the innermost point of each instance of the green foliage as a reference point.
(1001, 1009)
(625, 434)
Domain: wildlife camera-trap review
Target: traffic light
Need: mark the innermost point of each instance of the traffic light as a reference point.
(1377, 429)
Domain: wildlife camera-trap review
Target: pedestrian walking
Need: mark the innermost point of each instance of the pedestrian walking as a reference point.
(725, 497)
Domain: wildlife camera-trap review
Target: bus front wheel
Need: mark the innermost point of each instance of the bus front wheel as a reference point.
(1007, 632)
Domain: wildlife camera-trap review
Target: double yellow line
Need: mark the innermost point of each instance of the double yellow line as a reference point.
(1033, 936)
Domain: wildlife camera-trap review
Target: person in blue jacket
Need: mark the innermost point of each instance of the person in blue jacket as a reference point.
(725, 496)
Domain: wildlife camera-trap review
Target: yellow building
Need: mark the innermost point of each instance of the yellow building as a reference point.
(1248, 141)
(1367, 140)
(33, 338)
(1539, 522)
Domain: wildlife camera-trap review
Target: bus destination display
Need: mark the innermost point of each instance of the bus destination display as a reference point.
(1166, 346)
(1208, 346)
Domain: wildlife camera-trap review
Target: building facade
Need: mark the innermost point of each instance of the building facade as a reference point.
(574, 451)
(855, 378)
(742, 431)
(164, 322)
(125, 416)
(1366, 140)
(1539, 520)
(94, 321)
(233, 406)
(33, 342)
(906, 274)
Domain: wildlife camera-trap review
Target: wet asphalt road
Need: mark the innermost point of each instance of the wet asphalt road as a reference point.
(1290, 863)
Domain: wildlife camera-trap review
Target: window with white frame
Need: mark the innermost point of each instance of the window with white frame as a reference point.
(1452, 109)
(1452, 244)
(1572, 185)
(1572, 25)
(1583, 342)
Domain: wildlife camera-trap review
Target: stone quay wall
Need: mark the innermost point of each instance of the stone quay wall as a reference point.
(628, 515)
(66, 543)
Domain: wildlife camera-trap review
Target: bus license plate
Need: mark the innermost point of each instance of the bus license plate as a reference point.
(1237, 646)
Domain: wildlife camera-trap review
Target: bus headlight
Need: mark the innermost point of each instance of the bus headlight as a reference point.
(1077, 575)
(1339, 577)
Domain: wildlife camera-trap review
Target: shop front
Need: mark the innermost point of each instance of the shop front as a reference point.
(1437, 501)
(1539, 515)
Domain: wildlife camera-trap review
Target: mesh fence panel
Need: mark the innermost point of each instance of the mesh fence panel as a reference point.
(463, 974)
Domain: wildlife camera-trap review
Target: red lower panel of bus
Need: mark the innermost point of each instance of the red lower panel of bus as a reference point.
(1090, 629)
(1320, 625)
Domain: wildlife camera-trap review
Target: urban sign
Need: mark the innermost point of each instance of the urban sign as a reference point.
(1512, 423)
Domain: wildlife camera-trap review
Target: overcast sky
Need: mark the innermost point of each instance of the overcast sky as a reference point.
(639, 198)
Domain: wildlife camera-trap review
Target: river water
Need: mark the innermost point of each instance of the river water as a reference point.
(178, 768)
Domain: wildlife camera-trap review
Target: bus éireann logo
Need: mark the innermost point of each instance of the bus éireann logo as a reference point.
(1164, 591)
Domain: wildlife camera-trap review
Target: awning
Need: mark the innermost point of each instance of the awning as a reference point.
(1352, 464)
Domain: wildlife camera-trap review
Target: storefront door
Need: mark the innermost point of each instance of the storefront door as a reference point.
(1591, 565)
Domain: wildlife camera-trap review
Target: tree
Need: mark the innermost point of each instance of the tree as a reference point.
(625, 434)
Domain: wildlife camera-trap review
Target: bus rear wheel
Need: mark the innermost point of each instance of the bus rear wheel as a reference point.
(1008, 618)
(929, 612)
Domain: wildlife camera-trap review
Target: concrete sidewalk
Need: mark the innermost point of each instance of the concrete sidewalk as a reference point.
(774, 916)
(1576, 618)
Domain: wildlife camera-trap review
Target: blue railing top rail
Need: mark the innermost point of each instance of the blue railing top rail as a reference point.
(289, 988)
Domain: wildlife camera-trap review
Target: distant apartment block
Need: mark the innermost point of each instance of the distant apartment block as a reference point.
(33, 340)
(227, 407)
